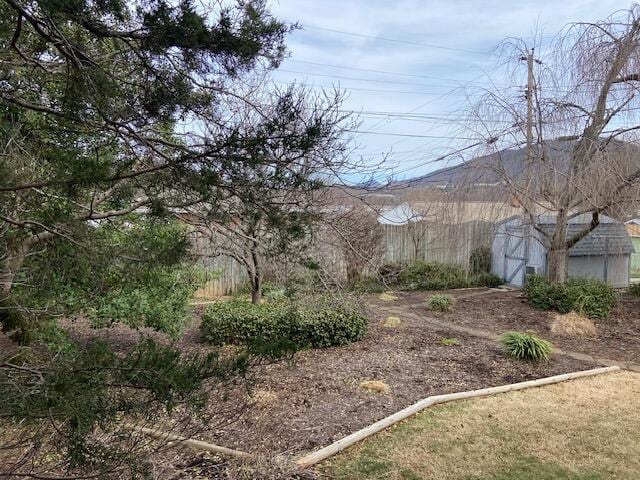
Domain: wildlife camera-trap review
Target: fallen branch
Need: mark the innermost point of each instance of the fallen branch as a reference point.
(330, 450)
(189, 442)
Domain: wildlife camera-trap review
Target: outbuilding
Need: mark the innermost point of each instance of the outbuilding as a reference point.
(518, 250)
(402, 214)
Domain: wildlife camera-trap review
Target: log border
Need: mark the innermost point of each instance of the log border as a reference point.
(336, 447)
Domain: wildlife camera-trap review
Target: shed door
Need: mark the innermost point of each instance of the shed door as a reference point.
(515, 256)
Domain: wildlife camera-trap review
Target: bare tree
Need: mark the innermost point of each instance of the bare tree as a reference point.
(358, 237)
(578, 124)
(299, 144)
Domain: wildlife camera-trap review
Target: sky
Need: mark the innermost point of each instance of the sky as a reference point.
(426, 60)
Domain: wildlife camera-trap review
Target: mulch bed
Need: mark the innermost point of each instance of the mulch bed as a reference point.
(318, 399)
(618, 336)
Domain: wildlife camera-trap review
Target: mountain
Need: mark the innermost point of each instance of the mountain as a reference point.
(491, 170)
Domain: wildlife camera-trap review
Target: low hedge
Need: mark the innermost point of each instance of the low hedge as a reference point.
(434, 276)
(582, 295)
(316, 323)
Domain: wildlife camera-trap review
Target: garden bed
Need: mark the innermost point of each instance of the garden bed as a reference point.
(618, 336)
(318, 399)
(297, 407)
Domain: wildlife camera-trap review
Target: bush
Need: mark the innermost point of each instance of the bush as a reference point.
(318, 322)
(389, 273)
(433, 276)
(485, 279)
(585, 296)
(526, 346)
(480, 260)
(635, 289)
(368, 285)
(440, 303)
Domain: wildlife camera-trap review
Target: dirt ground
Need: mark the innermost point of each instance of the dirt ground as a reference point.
(618, 336)
(293, 408)
(300, 406)
(584, 424)
(318, 399)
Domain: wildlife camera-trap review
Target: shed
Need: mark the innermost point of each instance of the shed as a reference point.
(633, 229)
(399, 215)
(604, 254)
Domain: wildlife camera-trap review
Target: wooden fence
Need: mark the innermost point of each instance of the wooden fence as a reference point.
(447, 243)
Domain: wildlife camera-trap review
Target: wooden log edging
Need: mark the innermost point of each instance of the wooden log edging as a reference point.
(189, 442)
(330, 450)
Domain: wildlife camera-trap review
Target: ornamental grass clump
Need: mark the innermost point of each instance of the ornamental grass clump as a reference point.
(440, 303)
(526, 346)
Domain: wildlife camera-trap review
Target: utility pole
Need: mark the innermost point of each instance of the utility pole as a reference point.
(530, 92)
(528, 170)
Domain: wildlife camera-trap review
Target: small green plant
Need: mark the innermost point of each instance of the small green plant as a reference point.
(635, 289)
(526, 346)
(449, 342)
(440, 303)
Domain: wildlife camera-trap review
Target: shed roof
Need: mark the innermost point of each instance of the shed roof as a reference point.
(400, 215)
(610, 236)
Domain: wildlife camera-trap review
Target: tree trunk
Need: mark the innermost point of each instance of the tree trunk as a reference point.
(12, 320)
(557, 264)
(558, 253)
(256, 291)
(11, 266)
(354, 271)
(256, 275)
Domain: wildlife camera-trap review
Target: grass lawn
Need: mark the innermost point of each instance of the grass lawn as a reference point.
(587, 429)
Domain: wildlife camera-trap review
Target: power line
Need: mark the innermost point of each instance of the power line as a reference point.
(368, 89)
(393, 40)
(341, 77)
(365, 132)
(386, 72)
(427, 118)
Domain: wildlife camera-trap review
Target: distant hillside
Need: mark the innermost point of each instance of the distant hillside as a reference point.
(485, 170)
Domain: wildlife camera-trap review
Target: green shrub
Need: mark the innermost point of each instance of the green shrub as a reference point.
(480, 260)
(450, 342)
(368, 285)
(440, 303)
(325, 322)
(485, 279)
(317, 322)
(635, 289)
(585, 296)
(433, 276)
(526, 346)
(425, 276)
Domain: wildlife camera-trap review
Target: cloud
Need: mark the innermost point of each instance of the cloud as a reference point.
(461, 24)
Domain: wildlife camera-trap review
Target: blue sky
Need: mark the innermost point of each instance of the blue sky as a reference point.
(435, 85)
